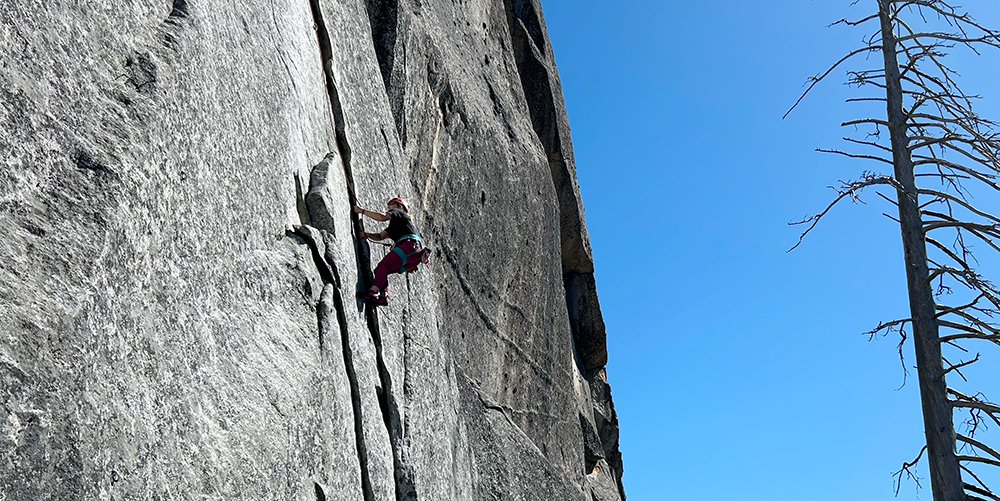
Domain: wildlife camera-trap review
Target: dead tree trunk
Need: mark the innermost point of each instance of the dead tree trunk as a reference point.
(946, 479)
(934, 135)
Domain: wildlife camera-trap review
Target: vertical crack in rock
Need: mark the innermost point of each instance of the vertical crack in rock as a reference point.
(384, 21)
(405, 489)
(320, 494)
(314, 239)
(331, 277)
(389, 407)
(383, 17)
(179, 9)
(352, 377)
(343, 146)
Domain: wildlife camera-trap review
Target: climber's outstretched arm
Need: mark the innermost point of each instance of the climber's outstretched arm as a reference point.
(382, 235)
(378, 216)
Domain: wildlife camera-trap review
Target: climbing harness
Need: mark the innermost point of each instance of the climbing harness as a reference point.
(403, 256)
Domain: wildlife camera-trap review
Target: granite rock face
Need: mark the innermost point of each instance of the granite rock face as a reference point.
(179, 261)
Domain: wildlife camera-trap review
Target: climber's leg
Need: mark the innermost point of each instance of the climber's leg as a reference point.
(389, 264)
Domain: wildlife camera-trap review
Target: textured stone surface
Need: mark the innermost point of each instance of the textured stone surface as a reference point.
(179, 261)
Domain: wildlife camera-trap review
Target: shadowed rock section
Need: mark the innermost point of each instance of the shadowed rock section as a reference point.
(180, 261)
(548, 118)
(538, 77)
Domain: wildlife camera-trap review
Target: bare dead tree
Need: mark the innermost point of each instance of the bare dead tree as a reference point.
(941, 153)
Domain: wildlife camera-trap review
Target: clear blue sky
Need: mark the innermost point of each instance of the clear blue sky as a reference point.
(739, 371)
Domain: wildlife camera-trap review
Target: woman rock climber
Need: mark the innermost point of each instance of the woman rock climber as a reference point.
(407, 253)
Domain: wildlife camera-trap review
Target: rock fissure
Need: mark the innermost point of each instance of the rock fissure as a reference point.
(387, 402)
(331, 293)
(179, 9)
(314, 238)
(337, 117)
(384, 23)
(352, 377)
(390, 411)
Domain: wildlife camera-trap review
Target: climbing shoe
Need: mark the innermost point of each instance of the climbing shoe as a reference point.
(379, 299)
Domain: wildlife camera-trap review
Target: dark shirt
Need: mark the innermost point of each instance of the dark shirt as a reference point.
(399, 224)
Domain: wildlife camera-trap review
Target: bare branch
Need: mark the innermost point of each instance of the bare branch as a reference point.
(898, 476)
(855, 155)
(975, 459)
(853, 23)
(963, 203)
(862, 99)
(949, 253)
(868, 143)
(876, 121)
(971, 335)
(846, 190)
(975, 404)
(977, 490)
(947, 310)
(985, 228)
(818, 78)
(973, 475)
(956, 368)
(981, 446)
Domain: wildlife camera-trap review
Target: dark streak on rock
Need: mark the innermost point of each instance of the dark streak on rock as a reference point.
(86, 161)
(385, 139)
(300, 202)
(440, 84)
(179, 10)
(383, 16)
(384, 21)
(141, 72)
(352, 378)
(524, 10)
(33, 228)
(593, 450)
(312, 237)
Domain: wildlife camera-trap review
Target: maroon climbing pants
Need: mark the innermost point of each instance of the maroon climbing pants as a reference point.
(393, 263)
